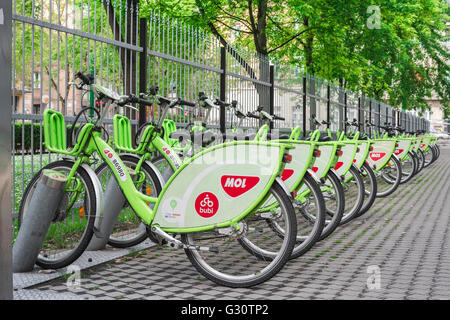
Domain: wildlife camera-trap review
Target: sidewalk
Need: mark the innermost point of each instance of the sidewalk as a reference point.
(403, 238)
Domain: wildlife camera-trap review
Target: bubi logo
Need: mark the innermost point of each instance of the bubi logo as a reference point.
(398, 151)
(315, 169)
(375, 156)
(206, 204)
(287, 173)
(235, 186)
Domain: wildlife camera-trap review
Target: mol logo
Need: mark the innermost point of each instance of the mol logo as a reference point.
(375, 156)
(398, 151)
(287, 173)
(338, 165)
(206, 204)
(235, 186)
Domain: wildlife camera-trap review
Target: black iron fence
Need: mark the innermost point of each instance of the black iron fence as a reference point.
(54, 39)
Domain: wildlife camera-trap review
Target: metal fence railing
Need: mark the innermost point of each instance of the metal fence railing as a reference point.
(54, 39)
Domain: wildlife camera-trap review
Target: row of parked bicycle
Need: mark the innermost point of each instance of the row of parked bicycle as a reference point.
(241, 205)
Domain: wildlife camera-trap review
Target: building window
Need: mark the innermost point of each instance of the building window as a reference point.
(36, 108)
(36, 80)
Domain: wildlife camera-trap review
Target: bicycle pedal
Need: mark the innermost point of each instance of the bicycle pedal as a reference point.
(156, 238)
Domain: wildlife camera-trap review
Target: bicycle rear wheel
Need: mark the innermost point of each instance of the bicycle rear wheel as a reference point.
(334, 197)
(421, 158)
(354, 194)
(389, 177)
(73, 225)
(408, 168)
(428, 157)
(370, 188)
(237, 260)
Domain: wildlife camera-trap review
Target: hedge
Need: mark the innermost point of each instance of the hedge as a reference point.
(27, 137)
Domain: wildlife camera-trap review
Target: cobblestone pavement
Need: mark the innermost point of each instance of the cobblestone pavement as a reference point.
(403, 242)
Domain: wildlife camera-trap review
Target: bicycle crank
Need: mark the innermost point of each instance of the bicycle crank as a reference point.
(177, 244)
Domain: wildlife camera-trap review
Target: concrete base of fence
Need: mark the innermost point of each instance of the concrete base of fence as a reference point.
(39, 214)
(114, 201)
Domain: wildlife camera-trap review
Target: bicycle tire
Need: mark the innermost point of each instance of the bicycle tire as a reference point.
(75, 253)
(394, 183)
(132, 239)
(353, 212)
(372, 194)
(253, 278)
(338, 213)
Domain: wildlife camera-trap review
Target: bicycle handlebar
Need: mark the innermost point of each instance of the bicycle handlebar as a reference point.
(86, 79)
(251, 115)
(275, 117)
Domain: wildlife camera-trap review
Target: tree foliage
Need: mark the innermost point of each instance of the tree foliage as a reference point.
(388, 49)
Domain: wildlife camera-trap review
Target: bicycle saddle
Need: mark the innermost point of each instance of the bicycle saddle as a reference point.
(325, 138)
(281, 136)
(206, 137)
(240, 137)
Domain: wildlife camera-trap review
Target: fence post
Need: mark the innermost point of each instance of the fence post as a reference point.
(345, 112)
(271, 92)
(328, 105)
(304, 106)
(143, 67)
(312, 101)
(6, 282)
(379, 114)
(359, 113)
(223, 78)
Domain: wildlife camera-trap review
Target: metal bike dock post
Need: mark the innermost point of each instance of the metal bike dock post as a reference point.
(39, 214)
(114, 202)
(6, 278)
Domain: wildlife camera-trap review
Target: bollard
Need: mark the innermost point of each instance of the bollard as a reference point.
(39, 214)
(114, 202)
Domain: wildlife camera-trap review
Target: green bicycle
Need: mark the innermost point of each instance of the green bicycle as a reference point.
(211, 219)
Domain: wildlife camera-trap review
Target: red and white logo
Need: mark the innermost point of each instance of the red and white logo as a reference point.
(235, 186)
(164, 149)
(422, 146)
(206, 204)
(338, 165)
(120, 170)
(108, 153)
(398, 151)
(375, 156)
(287, 173)
(315, 169)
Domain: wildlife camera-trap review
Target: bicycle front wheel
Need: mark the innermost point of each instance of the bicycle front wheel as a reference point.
(72, 227)
(128, 229)
(237, 260)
